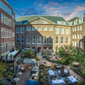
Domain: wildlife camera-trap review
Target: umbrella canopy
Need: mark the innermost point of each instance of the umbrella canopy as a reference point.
(31, 82)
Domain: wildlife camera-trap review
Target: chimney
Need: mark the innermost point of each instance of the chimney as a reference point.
(84, 16)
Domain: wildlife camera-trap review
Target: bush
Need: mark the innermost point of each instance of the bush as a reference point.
(37, 59)
(42, 53)
(61, 49)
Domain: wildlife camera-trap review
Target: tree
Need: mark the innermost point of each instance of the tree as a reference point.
(30, 52)
(3, 67)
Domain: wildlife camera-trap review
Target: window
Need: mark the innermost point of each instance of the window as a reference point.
(2, 21)
(62, 30)
(39, 21)
(28, 39)
(77, 36)
(22, 39)
(44, 40)
(44, 28)
(56, 48)
(17, 39)
(33, 28)
(50, 40)
(39, 28)
(44, 48)
(75, 43)
(80, 27)
(73, 36)
(13, 25)
(17, 30)
(50, 48)
(75, 28)
(80, 36)
(57, 30)
(50, 28)
(33, 49)
(5, 8)
(22, 30)
(72, 43)
(2, 30)
(67, 39)
(2, 49)
(67, 30)
(39, 39)
(28, 28)
(62, 40)
(66, 47)
(33, 39)
(57, 40)
(13, 34)
(80, 44)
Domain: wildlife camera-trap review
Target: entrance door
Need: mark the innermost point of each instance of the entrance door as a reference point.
(39, 49)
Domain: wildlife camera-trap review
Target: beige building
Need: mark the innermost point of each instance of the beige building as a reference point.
(48, 32)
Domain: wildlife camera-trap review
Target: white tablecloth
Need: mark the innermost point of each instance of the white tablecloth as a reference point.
(51, 73)
(72, 79)
(58, 81)
(65, 71)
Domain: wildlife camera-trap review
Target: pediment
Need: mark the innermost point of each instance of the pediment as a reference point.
(41, 20)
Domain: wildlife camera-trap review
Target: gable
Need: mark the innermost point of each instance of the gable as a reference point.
(41, 20)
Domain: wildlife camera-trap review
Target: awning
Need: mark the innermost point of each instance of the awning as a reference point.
(31, 82)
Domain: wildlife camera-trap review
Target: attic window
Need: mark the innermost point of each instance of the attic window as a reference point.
(34, 22)
(39, 21)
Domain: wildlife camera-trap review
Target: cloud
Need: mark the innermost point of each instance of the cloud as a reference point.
(28, 11)
(77, 9)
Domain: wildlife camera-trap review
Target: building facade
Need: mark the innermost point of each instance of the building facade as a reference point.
(49, 32)
(7, 28)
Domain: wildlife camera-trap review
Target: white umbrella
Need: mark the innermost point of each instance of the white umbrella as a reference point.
(16, 79)
(20, 73)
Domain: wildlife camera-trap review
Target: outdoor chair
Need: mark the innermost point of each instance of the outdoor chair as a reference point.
(66, 74)
(75, 77)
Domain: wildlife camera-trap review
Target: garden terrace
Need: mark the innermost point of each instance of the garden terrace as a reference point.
(10, 56)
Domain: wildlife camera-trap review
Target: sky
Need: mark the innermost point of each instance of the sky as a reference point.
(65, 8)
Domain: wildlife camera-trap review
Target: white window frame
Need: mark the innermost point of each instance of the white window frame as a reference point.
(63, 40)
(45, 29)
(80, 44)
(33, 39)
(57, 39)
(28, 27)
(43, 40)
(51, 28)
(39, 39)
(16, 30)
(57, 30)
(67, 40)
(75, 28)
(40, 28)
(22, 29)
(80, 27)
(77, 36)
(67, 30)
(33, 28)
(80, 36)
(62, 30)
(28, 39)
(49, 40)
(22, 39)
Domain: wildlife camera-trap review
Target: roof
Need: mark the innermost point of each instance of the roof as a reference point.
(73, 19)
(25, 19)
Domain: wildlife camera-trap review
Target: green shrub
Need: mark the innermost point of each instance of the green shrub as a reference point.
(42, 53)
(37, 59)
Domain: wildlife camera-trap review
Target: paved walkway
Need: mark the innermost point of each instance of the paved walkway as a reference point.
(65, 66)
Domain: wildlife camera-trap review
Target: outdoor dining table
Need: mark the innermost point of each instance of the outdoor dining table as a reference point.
(16, 79)
(20, 73)
(22, 68)
(72, 79)
(65, 71)
(58, 81)
(51, 73)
